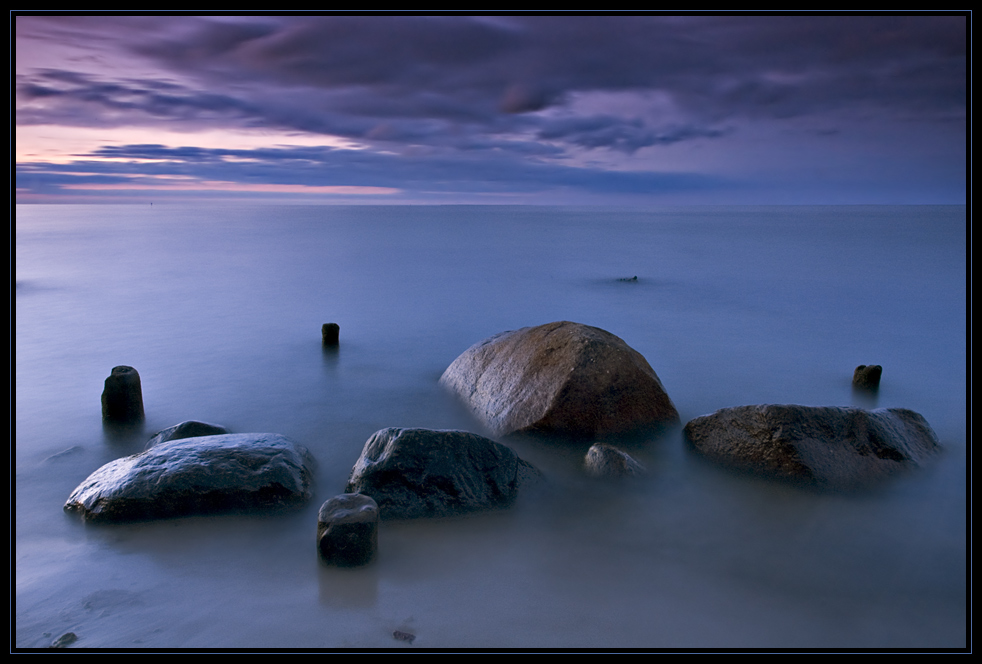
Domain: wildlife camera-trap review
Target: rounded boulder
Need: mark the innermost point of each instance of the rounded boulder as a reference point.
(560, 379)
(414, 473)
(197, 475)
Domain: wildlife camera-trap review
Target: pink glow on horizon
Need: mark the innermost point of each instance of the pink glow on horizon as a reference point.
(241, 187)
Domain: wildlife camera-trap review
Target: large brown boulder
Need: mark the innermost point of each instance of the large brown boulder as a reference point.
(837, 447)
(563, 379)
(197, 475)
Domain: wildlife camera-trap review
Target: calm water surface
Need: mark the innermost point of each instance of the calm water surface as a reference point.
(220, 308)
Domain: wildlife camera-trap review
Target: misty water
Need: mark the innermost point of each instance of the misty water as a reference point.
(220, 308)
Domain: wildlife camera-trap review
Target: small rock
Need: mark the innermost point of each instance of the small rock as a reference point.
(122, 397)
(347, 529)
(188, 429)
(71, 451)
(65, 640)
(403, 636)
(867, 377)
(606, 461)
(330, 333)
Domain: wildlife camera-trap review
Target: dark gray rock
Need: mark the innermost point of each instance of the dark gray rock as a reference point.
(562, 379)
(867, 376)
(122, 397)
(423, 472)
(65, 640)
(837, 447)
(606, 461)
(197, 475)
(330, 333)
(188, 429)
(347, 529)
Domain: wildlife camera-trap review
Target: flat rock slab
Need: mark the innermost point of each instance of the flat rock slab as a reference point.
(415, 473)
(837, 447)
(197, 475)
(563, 379)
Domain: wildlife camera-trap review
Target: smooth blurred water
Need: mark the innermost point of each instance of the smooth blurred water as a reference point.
(220, 309)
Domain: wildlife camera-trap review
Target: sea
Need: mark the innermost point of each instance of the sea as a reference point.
(219, 307)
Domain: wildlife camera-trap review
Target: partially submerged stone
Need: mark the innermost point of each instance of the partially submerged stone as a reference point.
(122, 397)
(347, 529)
(424, 472)
(330, 333)
(188, 429)
(197, 475)
(606, 461)
(563, 379)
(867, 376)
(837, 447)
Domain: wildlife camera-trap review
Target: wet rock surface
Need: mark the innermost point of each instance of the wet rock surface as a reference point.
(197, 475)
(347, 529)
(836, 447)
(415, 473)
(188, 429)
(606, 461)
(563, 379)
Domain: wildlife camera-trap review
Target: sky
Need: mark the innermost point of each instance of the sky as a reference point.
(620, 110)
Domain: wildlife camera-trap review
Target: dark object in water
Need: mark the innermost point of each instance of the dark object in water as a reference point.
(122, 397)
(832, 446)
(634, 278)
(65, 640)
(867, 377)
(188, 429)
(606, 461)
(347, 529)
(403, 636)
(330, 333)
(414, 473)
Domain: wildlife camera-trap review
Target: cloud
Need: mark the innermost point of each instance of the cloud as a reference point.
(326, 167)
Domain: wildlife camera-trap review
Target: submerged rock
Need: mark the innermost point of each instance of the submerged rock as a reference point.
(197, 475)
(837, 447)
(347, 529)
(65, 640)
(188, 429)
(606, 461)
(563, 379)
(424, 472)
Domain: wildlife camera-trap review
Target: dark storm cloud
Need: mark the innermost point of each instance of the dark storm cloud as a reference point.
(472, 70)
(69, 95)
(726, 64)
(619, 134)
